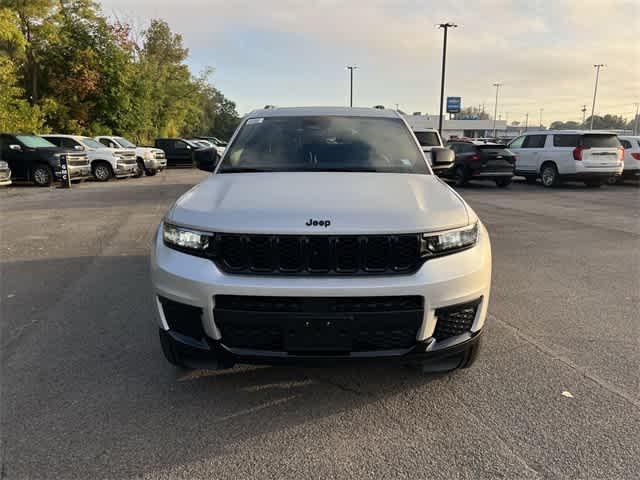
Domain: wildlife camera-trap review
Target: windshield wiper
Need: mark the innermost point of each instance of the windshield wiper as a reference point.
(243, 170)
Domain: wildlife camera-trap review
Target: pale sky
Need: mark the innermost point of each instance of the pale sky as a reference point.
(290, 53)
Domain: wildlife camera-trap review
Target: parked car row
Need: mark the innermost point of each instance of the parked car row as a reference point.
(36, 158)
(554, 156)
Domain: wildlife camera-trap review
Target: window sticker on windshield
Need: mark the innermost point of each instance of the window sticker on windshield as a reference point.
(251, 121)
(406, 162)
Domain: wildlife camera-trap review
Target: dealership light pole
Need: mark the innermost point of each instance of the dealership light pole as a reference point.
(446, 27)
(635, 122)
(584, 114)
(526, 121)
(495, 109)
(541, 110)
(351, 68)
(595, 91)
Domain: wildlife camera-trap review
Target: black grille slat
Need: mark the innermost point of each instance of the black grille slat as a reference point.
(317, 254)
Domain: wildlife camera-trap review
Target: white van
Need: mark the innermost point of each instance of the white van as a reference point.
(556, 155)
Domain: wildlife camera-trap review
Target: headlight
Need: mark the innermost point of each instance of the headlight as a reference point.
(186, 239)
(442, 243)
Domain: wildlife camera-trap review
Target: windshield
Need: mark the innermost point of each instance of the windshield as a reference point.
(428, 139)
(33, 141)
(349, 144)
(123, 142)
(91, 143)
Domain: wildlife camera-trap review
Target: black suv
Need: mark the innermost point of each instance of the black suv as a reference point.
(183, 152)
(477, 160)
(37, 160)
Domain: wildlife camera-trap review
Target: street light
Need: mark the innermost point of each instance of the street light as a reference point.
(541, 110)
(595, 91)
(446, 27)
(495, 110)
(351, 68)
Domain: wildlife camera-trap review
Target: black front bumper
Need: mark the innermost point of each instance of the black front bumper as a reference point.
(211, 354)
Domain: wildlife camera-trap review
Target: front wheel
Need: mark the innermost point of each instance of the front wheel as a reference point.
(460, 177)
(151, 173)
(169, 351)
(503, 182)
(102, 172)
(42, 176)
(140, 170)
(549, 176)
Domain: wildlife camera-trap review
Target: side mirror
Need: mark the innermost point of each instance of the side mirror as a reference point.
(207, 161)
(442, 157)
(188, 147)
(15, 147)
(78, 147)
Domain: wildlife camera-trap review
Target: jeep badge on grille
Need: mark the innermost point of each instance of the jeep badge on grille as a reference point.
(318, 223)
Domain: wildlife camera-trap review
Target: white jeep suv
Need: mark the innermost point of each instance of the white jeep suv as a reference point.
(587, 156)
(322, 235)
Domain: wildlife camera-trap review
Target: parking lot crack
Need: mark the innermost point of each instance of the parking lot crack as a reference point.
(550, 352)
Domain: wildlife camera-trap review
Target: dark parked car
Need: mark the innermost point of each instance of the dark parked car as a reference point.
(35, 159)
(183, 152)
(477, 160)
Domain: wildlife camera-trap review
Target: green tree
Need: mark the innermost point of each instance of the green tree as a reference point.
(15, 113)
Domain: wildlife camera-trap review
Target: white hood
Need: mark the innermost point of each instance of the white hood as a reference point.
(354, 203)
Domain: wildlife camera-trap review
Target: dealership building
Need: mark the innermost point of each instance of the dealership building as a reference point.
(471, 128)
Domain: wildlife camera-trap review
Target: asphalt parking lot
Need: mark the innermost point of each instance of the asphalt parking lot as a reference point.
(86, 392)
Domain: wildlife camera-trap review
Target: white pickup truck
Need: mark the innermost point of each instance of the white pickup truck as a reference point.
(105, 163)
(150, 160)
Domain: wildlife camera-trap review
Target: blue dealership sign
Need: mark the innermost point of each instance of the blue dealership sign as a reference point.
(454, 104)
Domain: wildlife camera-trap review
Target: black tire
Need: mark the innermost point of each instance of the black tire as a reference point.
(42, 175)
(102, 171)
(460, 177)
(141, 170)
(169, 351)
(614, 180)
(503, 182)
(595, 183)
(549, 175)
(531, 179)
(445, 365)
(151, 173)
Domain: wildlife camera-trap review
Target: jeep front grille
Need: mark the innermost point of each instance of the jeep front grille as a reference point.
(317, 254)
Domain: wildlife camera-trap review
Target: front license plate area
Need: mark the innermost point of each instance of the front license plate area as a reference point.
(318, 334)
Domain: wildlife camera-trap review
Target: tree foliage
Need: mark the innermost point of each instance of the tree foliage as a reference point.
(65, 67)
(604, 122)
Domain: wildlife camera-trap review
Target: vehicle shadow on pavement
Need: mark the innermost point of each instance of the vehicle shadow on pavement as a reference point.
(87, 390)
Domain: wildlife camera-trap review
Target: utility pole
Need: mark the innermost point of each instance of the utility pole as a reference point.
(351, 68)
(495, 110)
(526, 121)
(541, 118)
(595, 91)
(635, 122)
(584, 113)
(445, 27)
